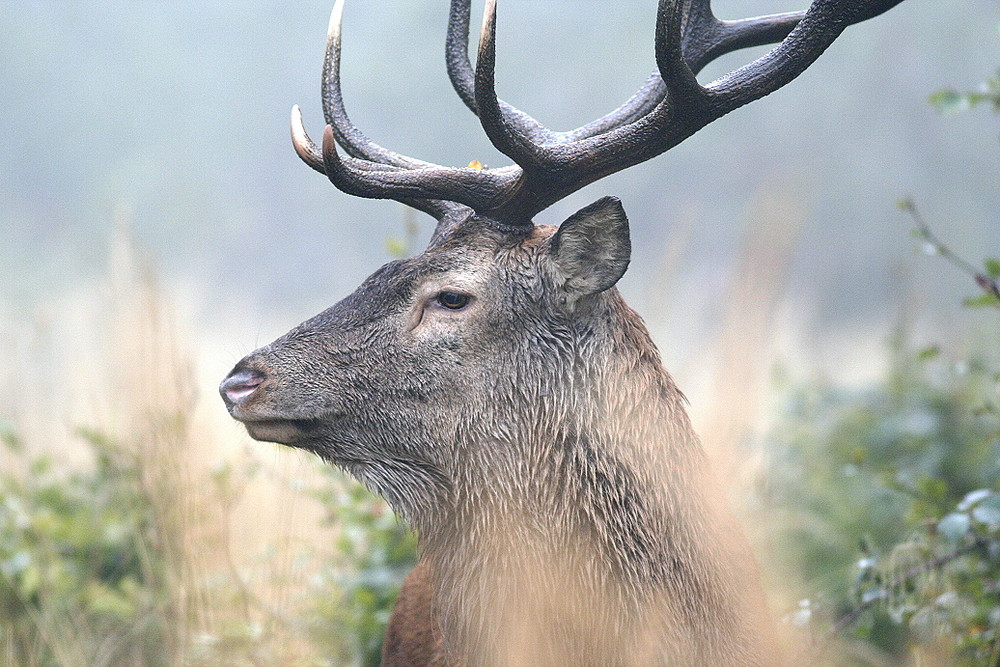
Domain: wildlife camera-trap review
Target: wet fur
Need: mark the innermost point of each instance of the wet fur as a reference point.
(538, 447)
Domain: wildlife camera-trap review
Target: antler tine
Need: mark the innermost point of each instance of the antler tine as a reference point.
(683, 89)
(313, 156)
(706, 38)
(462, 75)
(499, 121)
(688, 37)
(304, 146)
(642, 102)
(474, 188)
(463, 80)
(348, 135)
(371, 158)
(456, 53)
(699, 44)
(821, 24)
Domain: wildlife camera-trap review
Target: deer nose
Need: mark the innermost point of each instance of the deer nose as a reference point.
(240, 386)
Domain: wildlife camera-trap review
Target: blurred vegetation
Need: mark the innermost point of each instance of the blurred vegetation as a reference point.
(80, 581)
(891, 506)
(85, 580)
(887, 498)
(952, 100)
(356, 591)
(891, 495)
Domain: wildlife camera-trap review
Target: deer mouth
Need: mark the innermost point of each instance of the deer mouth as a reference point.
(282, 431)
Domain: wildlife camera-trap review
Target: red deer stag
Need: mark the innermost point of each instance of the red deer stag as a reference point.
(501, 395)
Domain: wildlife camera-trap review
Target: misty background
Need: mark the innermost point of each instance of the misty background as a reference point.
(174, 116)
(156, 225)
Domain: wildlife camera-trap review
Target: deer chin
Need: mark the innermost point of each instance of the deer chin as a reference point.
(292, 432)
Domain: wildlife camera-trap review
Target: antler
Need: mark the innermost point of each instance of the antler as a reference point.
(669, 107)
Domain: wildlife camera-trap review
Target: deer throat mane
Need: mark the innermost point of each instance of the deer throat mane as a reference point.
(598, 479)
(594, 526)
(599, 549)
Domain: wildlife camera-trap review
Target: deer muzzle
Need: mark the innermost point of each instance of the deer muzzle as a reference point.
(242, 391)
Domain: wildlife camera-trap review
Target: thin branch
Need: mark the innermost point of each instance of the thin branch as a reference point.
(938, 247)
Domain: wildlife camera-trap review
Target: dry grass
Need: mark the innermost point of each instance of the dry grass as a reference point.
(233, 541)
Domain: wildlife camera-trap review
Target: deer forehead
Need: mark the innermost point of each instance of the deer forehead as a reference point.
(483, 267)
(471, 278)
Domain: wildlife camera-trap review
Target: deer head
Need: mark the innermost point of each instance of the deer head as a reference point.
(498, 378)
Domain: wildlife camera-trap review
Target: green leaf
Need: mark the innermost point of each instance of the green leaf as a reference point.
(103, 599)
(928, 353)
(981, 301)
(8, 437)
(31, 580)
(992, 265)
(41, 466)
(950, 101)
(954, 526)
(396, 247)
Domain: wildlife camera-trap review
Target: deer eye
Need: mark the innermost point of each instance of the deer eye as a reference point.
(452, 300)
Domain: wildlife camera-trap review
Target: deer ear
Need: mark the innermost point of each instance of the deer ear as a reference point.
(591, 249)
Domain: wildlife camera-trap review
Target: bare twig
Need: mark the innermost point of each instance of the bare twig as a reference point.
(936, 246)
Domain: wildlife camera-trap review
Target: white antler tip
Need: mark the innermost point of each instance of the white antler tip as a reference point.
(300, 139)
(489, 13)
(336, 19)
(489, 21)
(296, 120)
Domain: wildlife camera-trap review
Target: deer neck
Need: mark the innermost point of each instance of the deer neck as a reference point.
(585, 509)
(609, 442)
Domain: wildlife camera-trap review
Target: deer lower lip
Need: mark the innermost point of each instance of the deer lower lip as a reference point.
(281, 431)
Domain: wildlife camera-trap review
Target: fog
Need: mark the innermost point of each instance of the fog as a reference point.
(175, 115)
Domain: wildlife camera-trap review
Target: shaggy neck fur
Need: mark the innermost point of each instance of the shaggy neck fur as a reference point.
(578, 531)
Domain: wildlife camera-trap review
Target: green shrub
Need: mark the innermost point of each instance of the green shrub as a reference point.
(891, 504)
(79, 583)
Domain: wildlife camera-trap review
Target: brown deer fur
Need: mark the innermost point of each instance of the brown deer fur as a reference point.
(537, 445)
(503, 398)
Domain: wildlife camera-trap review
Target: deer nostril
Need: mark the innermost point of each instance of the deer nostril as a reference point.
(240, 385)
